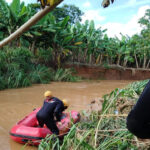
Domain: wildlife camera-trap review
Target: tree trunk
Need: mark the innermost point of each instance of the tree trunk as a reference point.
(111, 60)
(97, 59)
(125, 63)
(101, 59)
(147, 66)
(107, 58)
(144, 62)
(85, 54)
(33, 47)
(118, 60)
(137, 65)
(90, 59)
(79, 55)
(28, 24)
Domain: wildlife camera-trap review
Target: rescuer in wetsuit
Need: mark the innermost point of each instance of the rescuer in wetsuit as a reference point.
(138, 120)
(52, 107)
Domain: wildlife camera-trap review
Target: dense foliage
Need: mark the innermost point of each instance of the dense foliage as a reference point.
(18, 68)
(105, 130)
(68, 10)
(68, 40)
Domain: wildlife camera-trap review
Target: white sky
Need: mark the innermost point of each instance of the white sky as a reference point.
(118, 18)
(130, 27)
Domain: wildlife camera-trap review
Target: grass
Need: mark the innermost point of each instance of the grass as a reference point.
(19, 68)
(65, 75)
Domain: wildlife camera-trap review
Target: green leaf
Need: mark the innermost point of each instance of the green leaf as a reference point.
(49, 30)
(4, 11)
(65, 21)
(23, 11)
(15, 6)
(36, 33)
(1, 35)
(28, 35)
(67, 39)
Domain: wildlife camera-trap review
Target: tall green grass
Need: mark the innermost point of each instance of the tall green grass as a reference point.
(19, 68)
(65, 75)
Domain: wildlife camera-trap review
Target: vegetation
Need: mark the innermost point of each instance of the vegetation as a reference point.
(68, 10)
(18, 68)
(66, 40)
(105, 130)
(39, 55)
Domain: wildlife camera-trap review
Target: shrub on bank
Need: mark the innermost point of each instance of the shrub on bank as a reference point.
(19, 68)
(64, 75)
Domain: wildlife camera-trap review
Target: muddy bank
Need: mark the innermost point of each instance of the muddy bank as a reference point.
(110, 73)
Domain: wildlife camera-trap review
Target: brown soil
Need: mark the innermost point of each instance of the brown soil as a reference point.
(113, 72)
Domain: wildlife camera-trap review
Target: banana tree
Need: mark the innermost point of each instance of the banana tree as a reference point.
(145, 36)
(96, 46)
(130, 59)
(109, 48)
(12, 16)
(56, 36)
(87, 39)
(51, 5)
(127, 50)
(28, 24)
(94, 38)
(145, 48)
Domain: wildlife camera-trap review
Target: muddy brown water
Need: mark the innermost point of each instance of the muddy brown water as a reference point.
(16, 103)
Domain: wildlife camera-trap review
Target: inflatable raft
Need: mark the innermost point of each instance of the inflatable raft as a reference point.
(27, 130)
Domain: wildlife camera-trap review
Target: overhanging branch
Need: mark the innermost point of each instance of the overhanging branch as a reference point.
(29, 23)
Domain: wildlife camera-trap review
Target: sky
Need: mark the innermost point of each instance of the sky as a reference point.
(120, 17)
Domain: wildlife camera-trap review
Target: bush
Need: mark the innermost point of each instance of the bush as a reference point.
(18, 70)
(65, 75)
(40, 74)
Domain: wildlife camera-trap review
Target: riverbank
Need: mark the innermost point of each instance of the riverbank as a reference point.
(112, 72)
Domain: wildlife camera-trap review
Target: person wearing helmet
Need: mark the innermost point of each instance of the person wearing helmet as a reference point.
(52, 108)
(138, 119)
(65, 102)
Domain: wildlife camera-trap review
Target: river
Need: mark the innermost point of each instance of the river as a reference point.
(16, 103)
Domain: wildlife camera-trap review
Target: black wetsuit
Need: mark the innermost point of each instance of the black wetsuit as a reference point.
(50, 109)
(138, 120)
